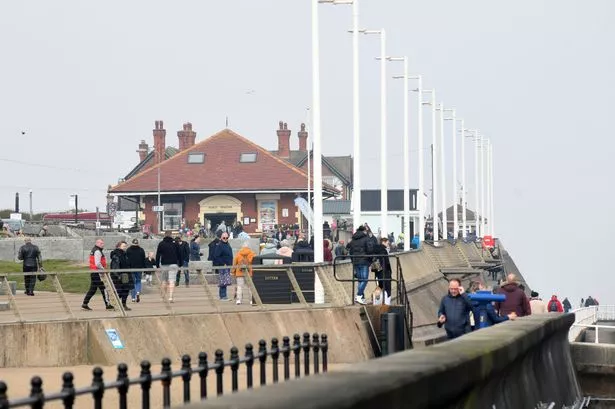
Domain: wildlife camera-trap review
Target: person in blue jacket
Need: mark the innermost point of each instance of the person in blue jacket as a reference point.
(484, 312)
(454, 311)
(223, 257)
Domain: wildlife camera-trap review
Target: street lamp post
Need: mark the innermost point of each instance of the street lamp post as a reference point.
(356, 165)
(482, 185)
(406, 147)
(442, 173)
(31, 212)
(420, 196)
(434, 168)
(76, 196)
(492, 196)
(318, 233)
(384, 206)
(464, 188)
(453, 118)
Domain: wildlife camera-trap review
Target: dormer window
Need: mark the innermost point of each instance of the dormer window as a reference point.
(247, 157)
(196, 157)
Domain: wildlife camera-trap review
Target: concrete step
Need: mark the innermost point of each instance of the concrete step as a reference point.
(5, 306)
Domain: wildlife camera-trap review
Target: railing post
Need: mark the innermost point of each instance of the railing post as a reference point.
(203, 371)
(99, 384)
(297, 352)
(122, 376)
(146, 384)
(596, 337)
(249, 365)
(37, 392)
(262, 357)
(234, 369)
(275, 355)
(166, 383)
(186, 376)
(219, 362)
(306, 353)
(324, 347)
(316, 348)
(4, 399)
(68, 387)
(286, 354)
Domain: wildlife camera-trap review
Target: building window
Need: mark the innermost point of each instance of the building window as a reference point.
(172, 216)
(196, 157)
(247, 158)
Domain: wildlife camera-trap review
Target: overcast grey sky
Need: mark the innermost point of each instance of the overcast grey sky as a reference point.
(86, 81)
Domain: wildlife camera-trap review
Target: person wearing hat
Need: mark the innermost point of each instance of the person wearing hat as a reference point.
(537, 305)
(31, 257)
(136, 257)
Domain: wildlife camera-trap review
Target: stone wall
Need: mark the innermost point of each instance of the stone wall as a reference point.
(512, 365)
(78, 249)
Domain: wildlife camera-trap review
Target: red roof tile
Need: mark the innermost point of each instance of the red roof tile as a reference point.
(221, 170)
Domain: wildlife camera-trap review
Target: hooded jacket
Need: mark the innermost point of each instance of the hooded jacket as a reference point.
(168, 253)
(516, 301)
(285, 251)
(136, 256)
(360, 245)
(554, 304)
(327, 255)
(538, 306)
(242, 258)
(269, 249)
(223, 254)
(303, 252)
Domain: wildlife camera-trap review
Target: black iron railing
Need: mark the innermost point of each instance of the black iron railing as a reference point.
(316, 347)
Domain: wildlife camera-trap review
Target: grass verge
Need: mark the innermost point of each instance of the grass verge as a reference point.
(71, 283)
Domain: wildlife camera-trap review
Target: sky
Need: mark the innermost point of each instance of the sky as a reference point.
(81, 83)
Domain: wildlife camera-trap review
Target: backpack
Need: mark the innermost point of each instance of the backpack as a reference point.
(553, 306)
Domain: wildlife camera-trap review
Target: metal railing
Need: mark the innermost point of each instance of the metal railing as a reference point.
(313, 348)
(400, 290)
(287, 283)
(588, 317)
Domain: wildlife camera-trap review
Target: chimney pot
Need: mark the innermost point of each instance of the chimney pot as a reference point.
(283, 141)
(160, 135)
(303, 135)
(186, 137)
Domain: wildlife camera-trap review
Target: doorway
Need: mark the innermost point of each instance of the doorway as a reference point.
(216, 218)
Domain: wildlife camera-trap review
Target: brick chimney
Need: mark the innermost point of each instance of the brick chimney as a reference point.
(186, 137)
(283, 141)
(303, 135)
(143, 150)
(160, 135)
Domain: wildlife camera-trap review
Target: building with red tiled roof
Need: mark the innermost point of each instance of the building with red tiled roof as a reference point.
(224, 177)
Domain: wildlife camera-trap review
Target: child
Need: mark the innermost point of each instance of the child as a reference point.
(243, 265)
(150, 262)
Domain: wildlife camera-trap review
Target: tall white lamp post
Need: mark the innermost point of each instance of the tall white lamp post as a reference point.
(420, 195)
(316, 137)
(434, 167)
(453, 118)
(406, 147)
(442, 173)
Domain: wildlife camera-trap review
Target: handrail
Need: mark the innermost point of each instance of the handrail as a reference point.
(587, 317)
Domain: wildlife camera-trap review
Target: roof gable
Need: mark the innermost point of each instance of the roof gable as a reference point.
(221, 170)
(329, 163)
(168, 153)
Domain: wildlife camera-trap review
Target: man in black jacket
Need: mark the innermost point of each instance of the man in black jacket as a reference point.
(359, 247)
(184, 252)
(136, 257)
(31, 256)
(168, 259)
(454, 311)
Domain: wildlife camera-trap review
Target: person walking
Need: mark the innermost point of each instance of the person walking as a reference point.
(566, 304)
(537, 305)
(168, 259)
(184, 252)
(136, 258)
(98, 264)
(454, 311)
(150, 263)
(555, 305)
(31, 263)
(243, 266)
(516, 300)
(359, 247)
(223, 257)
(384, 273)
(122, 280)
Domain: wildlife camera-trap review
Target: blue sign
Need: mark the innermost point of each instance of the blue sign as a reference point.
(114, 337)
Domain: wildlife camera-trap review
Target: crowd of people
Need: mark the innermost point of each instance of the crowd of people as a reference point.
(461, 312)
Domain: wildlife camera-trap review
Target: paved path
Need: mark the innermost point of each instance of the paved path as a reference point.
(46, 306)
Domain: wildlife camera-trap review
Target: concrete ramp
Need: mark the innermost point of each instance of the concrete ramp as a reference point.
(70, 343)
